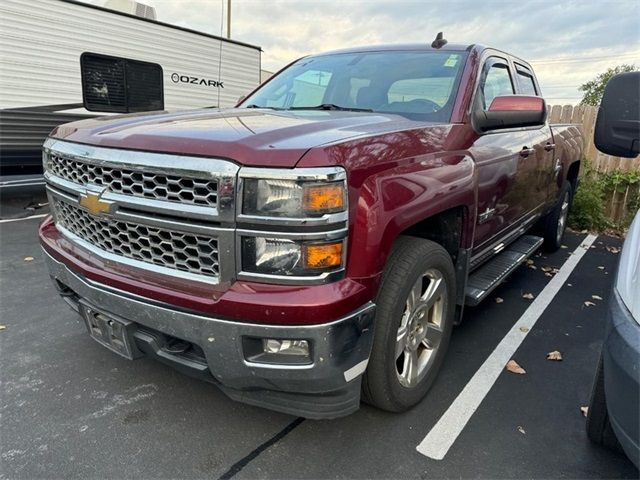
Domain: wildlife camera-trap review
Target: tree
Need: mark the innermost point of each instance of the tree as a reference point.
(594, 89)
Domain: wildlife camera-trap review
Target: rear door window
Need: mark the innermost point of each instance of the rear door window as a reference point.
(525, 81)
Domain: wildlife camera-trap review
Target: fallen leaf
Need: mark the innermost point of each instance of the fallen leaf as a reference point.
(563, 246)
(613, 249)
(596, 297)
(546, 269)
(569, 285)
(547, 274)
(555, 355)
(584, 410)
(499, 300)
(524, 329)
(532, 267)
(529, 262)
(528, 296)
(28, 259)
(555, 270)
(513, 367)
(521, 430)
(3, 327)
(601, 268)
(589, 304)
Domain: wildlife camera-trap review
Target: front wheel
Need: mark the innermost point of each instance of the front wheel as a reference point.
(599, 428)
(414, 317)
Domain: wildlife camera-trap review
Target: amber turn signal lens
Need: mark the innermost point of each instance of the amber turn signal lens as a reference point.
(324, 198)
(327, 255)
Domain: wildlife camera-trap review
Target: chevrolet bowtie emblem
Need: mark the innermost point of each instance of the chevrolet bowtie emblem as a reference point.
(94, 204)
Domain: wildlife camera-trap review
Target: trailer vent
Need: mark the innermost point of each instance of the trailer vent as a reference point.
(131, 7)
(144, 86)
(112, 84)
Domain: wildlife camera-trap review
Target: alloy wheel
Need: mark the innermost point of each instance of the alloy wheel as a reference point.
(421, 328)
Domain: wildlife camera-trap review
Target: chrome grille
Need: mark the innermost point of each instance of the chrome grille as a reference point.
(172, 188)
(187, 252)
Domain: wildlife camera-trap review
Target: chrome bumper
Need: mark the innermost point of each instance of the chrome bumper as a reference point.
(327, 387)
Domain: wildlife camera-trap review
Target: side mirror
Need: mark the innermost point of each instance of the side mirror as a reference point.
(617, 129)
(511, 111)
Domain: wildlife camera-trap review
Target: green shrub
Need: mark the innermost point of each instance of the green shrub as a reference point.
(589, 210)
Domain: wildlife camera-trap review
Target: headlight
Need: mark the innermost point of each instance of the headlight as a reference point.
(292, 198)
(274, 256)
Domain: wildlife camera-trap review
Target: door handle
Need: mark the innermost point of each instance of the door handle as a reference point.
(549, 146)
(525, 152)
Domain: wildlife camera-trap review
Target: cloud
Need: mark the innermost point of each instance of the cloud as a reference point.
(591, 35)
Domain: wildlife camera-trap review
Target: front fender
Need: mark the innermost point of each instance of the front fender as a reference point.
(395, 181)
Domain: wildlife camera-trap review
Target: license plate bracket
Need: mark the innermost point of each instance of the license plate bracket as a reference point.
(110, 331)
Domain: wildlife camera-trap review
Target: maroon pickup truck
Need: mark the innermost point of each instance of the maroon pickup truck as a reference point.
(317, 243)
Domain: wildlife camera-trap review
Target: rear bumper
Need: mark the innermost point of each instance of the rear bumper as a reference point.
(621, 351)
(327, 386)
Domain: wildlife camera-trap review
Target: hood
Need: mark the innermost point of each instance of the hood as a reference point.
(250, 137)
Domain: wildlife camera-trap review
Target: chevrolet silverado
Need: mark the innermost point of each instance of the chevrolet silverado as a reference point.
(316, 244)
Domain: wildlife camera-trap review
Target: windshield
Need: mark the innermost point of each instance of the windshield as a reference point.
(418, 85)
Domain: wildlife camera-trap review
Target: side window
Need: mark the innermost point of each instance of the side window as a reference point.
(526, 83)
(112, 84)
(497, 81)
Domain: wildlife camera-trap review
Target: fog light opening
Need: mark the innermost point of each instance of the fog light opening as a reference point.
(299, 348)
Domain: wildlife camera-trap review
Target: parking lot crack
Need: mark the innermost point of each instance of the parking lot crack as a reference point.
(243, 462)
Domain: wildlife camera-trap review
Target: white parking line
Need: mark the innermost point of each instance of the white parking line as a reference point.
(441, 437)
(7, 220)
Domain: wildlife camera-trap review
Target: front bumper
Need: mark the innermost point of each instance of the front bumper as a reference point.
(621, 352)
(327, 387)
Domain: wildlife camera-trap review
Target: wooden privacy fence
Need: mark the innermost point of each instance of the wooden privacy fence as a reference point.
(586, 116)
(618, 203)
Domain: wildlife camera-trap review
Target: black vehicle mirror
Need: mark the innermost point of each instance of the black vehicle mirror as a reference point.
(617, 129)
(511, 111)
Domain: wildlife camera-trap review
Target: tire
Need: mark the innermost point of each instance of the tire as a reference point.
(556, 222)
(598, 425)
(411, 323)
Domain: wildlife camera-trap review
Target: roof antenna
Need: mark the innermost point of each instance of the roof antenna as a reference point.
(439, 42)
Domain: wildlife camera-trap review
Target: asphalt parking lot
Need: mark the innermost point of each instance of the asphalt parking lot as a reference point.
(72, 409)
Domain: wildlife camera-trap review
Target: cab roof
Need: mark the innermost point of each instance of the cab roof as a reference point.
(413, 47)
(457, 47)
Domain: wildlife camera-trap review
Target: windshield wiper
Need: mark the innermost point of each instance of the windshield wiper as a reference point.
(253, 105)
(332, 106)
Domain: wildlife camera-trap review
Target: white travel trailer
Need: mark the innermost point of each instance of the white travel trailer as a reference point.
(62, 60)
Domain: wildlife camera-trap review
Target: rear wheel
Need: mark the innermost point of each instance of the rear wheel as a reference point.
(556, 221)
(414, 318)
(598, 425)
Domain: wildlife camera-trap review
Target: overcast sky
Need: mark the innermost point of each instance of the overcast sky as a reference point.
(568, 42)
